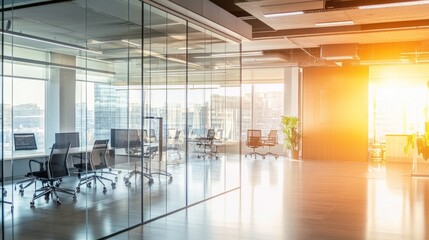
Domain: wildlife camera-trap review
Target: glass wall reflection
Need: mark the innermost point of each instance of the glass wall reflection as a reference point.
(114, 113)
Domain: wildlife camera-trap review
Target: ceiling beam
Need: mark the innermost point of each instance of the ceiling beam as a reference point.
(30, 5)
(335, 4)
(374, 27)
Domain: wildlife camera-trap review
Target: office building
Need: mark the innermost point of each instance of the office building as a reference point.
(126, 119)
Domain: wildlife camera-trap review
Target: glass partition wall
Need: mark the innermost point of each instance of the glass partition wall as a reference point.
(162, 92)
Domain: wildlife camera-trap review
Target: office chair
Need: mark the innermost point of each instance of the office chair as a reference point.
(271, 141)
(207, 144)
(4, 191)
(22, 142)
(174, 143)
(254, 140)
(148, 154)
(94, 166)
(52, 174)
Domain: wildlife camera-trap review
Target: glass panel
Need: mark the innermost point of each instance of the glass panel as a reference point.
(232, 129)
(6, 194)
(198, 114)
(218, 111)
(175, 126)
(148, 106)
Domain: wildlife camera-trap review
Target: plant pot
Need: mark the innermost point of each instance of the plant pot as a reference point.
(294, 154)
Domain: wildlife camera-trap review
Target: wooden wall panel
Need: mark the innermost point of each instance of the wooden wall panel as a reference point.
(335, 113)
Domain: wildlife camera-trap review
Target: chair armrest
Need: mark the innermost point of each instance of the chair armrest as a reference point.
(35, 161)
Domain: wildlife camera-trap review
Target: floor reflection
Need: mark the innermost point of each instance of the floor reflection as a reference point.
(283, 199)
(96, 214)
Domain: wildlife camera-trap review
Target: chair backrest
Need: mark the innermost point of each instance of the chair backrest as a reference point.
(98, 154)
(254, 138)
(272, 136)
(211, 133)
(57, 163)
(24, 141)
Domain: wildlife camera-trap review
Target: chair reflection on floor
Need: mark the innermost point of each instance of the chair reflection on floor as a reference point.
(270, 141)
(51, 173)
(254, 141)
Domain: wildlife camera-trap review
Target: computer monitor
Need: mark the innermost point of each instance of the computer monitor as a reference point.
(71, 137)
(24, 141)
(124, 138)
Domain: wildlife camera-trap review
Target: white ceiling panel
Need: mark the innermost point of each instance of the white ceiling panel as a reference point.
(363, 38)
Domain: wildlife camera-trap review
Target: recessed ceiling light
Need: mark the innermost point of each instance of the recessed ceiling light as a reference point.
(338, 23)
(132, 43)
(283, 14)
(397, 4)
(52, 42)
(334, 58)
(178, 36)
(233, 54)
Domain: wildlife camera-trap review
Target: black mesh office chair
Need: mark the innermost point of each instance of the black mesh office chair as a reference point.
(94, 167)
(23, 142)
(52, 174)
(206, 143)
(4, 191)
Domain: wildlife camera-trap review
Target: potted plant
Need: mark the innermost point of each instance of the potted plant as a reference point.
(292, 135)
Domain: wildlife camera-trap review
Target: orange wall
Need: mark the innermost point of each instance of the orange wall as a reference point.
(335, 113)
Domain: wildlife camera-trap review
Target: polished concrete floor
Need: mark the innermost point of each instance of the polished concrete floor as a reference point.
(96, 214)
(279, 199)
(314, 200)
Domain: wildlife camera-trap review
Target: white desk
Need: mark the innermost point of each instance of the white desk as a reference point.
(17, 161)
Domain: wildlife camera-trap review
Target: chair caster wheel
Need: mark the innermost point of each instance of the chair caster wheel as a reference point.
(21, 192)
(104, 189)
(113, 185)
(74, 198)
(47, 196)
(58, 203)
(150, 181)
(116, 179)
(127, 183)
(77, 189)
(88, 184)
(32, 204)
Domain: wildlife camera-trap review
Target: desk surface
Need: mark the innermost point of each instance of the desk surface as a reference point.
(41, 153)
